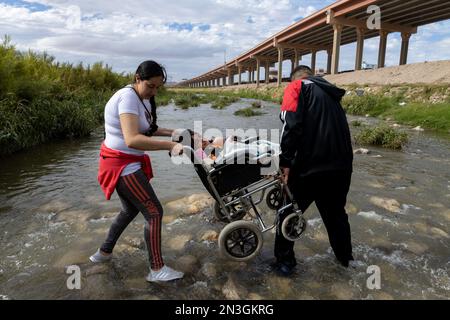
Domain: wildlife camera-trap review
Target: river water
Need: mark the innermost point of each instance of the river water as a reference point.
(53, 215)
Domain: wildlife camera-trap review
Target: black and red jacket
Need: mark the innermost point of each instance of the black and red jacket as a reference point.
(316, 136)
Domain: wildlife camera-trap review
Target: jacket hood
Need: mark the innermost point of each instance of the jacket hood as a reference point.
(335, 92)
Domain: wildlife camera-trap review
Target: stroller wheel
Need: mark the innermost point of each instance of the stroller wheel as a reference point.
(293, 226)
(274, 199)
(237, 213)
(240, 241)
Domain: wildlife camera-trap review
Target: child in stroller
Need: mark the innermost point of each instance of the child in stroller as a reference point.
(238, 178)
(216, 150)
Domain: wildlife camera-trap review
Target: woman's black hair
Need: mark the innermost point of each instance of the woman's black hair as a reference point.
(147, 70)
(150, 69)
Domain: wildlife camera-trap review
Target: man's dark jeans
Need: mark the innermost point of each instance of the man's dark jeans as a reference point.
(329, 191)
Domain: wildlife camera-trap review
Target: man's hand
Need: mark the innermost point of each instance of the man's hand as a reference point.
(285, 174)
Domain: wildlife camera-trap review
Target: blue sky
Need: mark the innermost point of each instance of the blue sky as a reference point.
(189, 37)
(32, 6)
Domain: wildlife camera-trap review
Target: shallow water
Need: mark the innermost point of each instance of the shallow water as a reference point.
(53, 214)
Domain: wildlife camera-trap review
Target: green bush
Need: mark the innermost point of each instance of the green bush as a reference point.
(222, 102)
(383, 136)
(248, 112)
(41, 99)
(372, 105)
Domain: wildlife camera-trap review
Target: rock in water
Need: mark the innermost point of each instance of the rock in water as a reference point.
(178, 242)
(362, 151)
(351, 208)
(199, 290)
(209, 270)
(255, 296)
(191, 205)
(416, 248)
(97, 269)
(210, 235)
(342, 291)
(187, 264)
(233, 291)
(390, 205)
(419, 128)
(280, 287)
(439, 232)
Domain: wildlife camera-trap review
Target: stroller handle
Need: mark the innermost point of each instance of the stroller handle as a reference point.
(186, 150)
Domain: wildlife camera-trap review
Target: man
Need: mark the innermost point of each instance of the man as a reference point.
(316, 161)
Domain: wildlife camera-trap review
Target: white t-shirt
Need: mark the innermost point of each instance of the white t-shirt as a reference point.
(125, 101)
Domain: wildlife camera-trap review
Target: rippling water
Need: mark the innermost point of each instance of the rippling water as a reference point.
(53, 214)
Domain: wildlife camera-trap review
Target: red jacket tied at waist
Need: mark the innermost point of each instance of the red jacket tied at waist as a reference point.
(112, 162)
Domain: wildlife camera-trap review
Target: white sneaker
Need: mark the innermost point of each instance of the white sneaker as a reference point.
(100, 258)
(164, 274)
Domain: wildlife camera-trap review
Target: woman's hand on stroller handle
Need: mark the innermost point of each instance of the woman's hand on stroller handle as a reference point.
(177, 150)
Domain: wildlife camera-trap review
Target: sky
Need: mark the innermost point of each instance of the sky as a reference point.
(189, 37)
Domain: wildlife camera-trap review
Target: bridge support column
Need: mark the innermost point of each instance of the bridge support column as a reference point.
(359, 48)
(296, 58)
(230, 80)
(267, 72)
(240, 75)
(280, 66)
(405, 48)
(336, 48)
(329, 59)
(313, 61)
(382, 50)
(258, 71)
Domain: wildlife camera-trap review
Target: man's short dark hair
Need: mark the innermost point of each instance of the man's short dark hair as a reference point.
(302, 69)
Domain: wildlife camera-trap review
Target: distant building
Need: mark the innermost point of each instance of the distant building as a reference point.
(273, 75)
(320, 72)
(368, 66)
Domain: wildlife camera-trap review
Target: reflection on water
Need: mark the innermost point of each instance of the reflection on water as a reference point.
(53, 214)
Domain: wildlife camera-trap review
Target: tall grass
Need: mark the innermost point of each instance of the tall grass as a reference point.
(41, 99)
(427, 115)
(383, 136)
(435, 117)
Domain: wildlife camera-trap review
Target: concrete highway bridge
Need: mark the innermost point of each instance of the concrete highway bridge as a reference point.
(344, 22)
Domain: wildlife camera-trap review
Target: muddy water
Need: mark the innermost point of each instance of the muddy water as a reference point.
(53, 214)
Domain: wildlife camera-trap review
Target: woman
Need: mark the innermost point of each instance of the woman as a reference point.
(130, 125)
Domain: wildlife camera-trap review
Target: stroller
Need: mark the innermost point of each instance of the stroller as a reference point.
(238, 181)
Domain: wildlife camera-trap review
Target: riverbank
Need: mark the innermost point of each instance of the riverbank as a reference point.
(42, 100)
